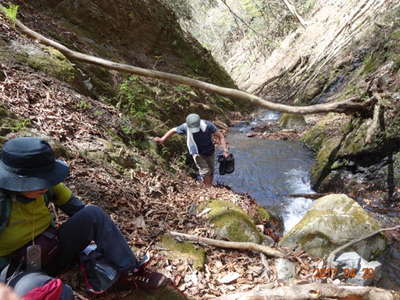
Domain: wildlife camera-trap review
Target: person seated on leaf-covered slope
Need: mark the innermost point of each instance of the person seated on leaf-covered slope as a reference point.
(31, 178)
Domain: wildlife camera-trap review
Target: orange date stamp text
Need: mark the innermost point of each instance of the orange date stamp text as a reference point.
(346, 272)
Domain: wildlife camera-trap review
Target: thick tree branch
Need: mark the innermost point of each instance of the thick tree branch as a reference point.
(316, 291)
(231, 245)
(348, 106)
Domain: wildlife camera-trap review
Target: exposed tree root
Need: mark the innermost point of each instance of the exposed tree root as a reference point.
(349, 106)
(231, 245)
(317, 291)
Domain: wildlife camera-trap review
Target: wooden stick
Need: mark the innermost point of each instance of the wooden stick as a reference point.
(231, 245)
(333, 254)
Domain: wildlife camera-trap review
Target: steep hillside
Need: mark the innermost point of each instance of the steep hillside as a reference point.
(102, 122)
(150, 39)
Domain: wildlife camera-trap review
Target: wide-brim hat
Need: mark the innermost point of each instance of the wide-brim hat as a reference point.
(29, 164)
(193, 123)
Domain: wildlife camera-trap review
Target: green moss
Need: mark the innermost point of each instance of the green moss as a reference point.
(184, 249)
(315, 136)
(52, 62)
(236, 227)
(355, 141)
(324, 159)
(10, 123)
(218, 206)
(287, 120)
(11, 12)
(370, 64)
(231, 222)
(262, 215)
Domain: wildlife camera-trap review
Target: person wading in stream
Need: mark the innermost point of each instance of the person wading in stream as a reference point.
(199, 142)
(32, 247)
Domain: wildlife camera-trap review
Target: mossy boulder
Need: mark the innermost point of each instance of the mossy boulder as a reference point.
(186, 250)
(332, 221)
(232, 223)
(355, 140)
(42, 58)
(315, 136)
(292, 121)
(324, 160)
(10, 123)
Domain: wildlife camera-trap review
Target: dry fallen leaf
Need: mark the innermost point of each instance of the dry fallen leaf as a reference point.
(229, 278)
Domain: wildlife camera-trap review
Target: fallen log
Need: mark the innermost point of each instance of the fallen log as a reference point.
(316, 291)
(348, 106)
(231, 245)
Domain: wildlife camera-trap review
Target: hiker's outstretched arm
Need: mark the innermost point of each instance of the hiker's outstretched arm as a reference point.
(169, 133)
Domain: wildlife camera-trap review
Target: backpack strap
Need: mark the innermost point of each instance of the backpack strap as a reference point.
(5, 209)
(49, 196)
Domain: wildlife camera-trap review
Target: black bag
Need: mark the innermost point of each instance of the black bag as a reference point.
(226, 164)
(98, 274)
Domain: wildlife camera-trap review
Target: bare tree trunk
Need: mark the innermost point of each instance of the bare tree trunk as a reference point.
(349, 106)
(293, 11)
(316, 291)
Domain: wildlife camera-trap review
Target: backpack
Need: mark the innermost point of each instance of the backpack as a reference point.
(52, 290)
(226, 164)
(38, 286)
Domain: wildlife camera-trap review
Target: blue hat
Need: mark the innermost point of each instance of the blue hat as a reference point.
(28, 164)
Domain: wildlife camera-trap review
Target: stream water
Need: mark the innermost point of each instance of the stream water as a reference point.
(270, 170)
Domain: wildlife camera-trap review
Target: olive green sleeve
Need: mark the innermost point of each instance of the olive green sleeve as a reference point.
(62, 194)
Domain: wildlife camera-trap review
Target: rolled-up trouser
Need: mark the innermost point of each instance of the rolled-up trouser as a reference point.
(89, 224)
(27, 281)
(205, 164)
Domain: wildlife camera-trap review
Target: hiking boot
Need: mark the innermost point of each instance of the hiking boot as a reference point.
(150, 280)
(145, 279)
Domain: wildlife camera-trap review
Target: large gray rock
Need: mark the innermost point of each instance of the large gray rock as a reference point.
(332, 221)
(285, 269)
(366, 273)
